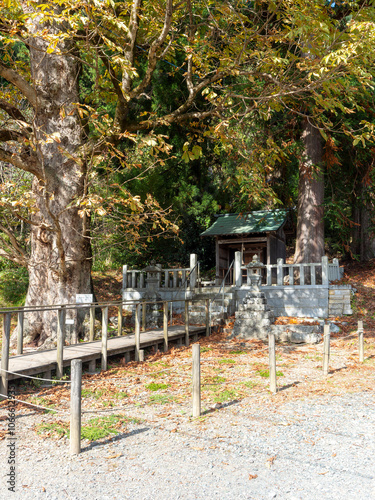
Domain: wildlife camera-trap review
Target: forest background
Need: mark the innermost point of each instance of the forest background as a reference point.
(125, 126)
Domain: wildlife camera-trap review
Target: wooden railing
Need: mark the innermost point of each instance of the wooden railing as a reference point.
(281, 274)
(168, 278)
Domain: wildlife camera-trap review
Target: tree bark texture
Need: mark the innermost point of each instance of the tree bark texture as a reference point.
(60, 262)
(310, 225)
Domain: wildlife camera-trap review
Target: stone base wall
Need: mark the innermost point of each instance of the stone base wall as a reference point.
(339, 300)
(299, 301)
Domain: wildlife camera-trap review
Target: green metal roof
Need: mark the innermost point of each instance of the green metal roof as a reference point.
(252, 222)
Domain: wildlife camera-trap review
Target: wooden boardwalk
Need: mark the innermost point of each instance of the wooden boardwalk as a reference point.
(37, 362)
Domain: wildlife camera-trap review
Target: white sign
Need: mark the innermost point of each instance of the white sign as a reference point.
(69, 321)
(84, 298)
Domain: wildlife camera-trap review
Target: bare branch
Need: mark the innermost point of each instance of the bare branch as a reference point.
(152, 54)
(129, 54)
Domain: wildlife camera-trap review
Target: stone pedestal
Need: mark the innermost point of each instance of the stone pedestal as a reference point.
(254, 317)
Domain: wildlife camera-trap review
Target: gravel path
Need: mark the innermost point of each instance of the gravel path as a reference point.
(317, 448)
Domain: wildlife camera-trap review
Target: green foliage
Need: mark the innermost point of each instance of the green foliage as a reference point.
(200, 114)
(13, 285)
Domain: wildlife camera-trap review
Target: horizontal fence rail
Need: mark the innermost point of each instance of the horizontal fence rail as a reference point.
(161, 278)
(281, 274)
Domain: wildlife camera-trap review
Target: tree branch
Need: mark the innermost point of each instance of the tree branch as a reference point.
(11, 135)
(12, 111)
(15, 251)
(17, 80)
(152, 55)
(129, 54)
(24, 161)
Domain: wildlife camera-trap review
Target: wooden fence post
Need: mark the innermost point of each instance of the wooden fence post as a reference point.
(325, 279)
(361, 341)
(237, 275)
(141, 355)
(137, 331)
(104, 337)
(119, 318)
(61, 315)
(20, 333)
(187, 322)
(280, 272)
(75, 406)
(208, 326)
(92, 323)
(165, 326)
(144, 310)
(196, 381)
(5, 355)
(326, 349)
(272, 362)
(124, 277)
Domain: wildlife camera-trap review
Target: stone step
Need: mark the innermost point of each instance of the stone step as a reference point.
(255, 300)
(254, 307)
(248, 325)
(254, 294)
(254, 315)
(303, 329)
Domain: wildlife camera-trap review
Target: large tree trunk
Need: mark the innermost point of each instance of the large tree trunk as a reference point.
(310, 225)
(60, 263)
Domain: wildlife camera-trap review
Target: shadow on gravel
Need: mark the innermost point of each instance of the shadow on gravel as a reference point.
(337, 369)
(118, 437)
(284, 387)
(220, 406)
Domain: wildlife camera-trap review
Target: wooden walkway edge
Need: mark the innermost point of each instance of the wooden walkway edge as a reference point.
(43, 361)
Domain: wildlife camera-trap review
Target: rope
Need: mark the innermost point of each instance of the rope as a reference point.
(37, 378)
(32, 404)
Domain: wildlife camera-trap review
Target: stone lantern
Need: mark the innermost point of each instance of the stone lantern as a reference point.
(254, 272)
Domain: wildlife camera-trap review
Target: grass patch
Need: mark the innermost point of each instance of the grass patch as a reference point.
(237, 352)
(101, 427)
(57, 429)
(96, 428)
(121, 395)
(214, 380)
(250, 384)
(159, 363)
(153, 386)
(88, 393)
(227, 395)
(206, 349)
(161, 399)
(43, 402)
(227, 361)
(266, 373)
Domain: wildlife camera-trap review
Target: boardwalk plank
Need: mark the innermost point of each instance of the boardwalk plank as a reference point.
(42, 361)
